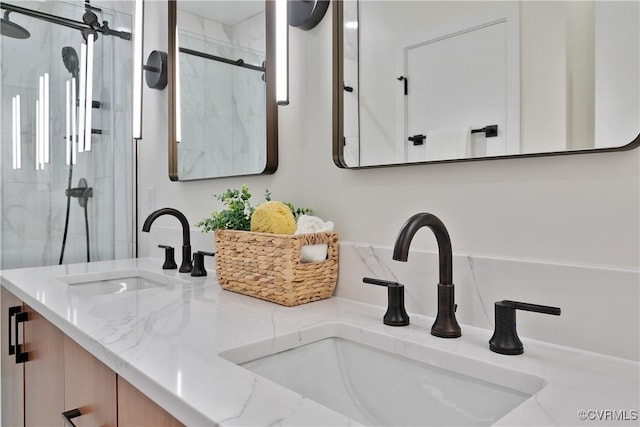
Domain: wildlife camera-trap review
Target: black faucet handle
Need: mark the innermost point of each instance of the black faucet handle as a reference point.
(169, 257)
(198, 263)
(525, 306)
(381, 282)
(505, 338)
(396, 315)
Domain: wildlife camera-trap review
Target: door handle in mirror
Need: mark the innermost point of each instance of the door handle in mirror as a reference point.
(67, 416)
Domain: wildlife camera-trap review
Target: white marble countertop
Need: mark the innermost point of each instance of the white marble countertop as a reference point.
(166, 341)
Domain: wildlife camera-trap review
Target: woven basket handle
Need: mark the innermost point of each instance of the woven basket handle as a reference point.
(328, 238)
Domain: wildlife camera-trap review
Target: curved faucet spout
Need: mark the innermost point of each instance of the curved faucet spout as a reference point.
(186, 265)
(445, 325)
(186, 236)
(409, 229)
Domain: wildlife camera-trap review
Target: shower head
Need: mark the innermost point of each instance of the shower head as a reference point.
(11, 29)
(70, 60)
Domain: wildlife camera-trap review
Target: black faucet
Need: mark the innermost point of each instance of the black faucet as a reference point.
(186, 266)
(445, 325)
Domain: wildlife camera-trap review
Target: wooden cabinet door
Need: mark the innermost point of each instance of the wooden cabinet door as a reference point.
(90, 386)
(43, 372)
(12, 373)
(137, 410)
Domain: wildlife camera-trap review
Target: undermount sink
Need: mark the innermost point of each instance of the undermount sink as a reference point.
(377, 379)
(119, 281)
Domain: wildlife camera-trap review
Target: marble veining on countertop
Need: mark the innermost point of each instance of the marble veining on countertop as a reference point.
(166, 341)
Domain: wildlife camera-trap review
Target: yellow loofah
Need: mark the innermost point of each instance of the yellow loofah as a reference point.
(273, 217)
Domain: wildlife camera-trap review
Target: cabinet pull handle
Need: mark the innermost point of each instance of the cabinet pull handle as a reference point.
(67, 416)
(21, 356)
(12, 312)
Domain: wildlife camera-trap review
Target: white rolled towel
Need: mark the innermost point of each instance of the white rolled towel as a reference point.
(313, 224)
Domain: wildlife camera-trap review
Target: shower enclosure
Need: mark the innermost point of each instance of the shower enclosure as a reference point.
(67, 153)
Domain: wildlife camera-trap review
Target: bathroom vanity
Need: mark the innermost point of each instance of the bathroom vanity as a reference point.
(125, 341)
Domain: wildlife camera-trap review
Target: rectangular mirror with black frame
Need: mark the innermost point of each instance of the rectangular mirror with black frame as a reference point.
(436, 81)
(222, 109)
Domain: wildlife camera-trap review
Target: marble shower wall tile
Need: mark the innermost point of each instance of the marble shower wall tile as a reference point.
(599, 305)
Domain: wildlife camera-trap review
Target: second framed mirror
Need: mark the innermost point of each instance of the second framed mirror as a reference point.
(222, 110)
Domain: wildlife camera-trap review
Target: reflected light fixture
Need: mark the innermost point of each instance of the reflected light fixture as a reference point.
(45, 119)
(67, 122)
(42, 122)
(16, 126)
(74, 120)
(89, 96)
(37, 149)
(351, 25)
(137, 68)
(282, 53)
(177, 94)
(18, 134)
(70, 122)
(81, 96)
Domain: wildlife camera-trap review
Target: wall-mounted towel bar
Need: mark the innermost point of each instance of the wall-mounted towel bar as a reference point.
(489, 131)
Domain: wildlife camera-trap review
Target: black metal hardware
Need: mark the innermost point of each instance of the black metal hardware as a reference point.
(489, 131)
(169, 258)
(348, 89)
(21, 356)
(12, 312)
(198, 263)
(82, 192)
(185, 266)
(236, 62)
(93, 131)
(406, 83)
(505, 338)
(77, 25)
(67, 416)
(446, 325)
(417, 139)
(155, 70)
(396, 314)
(94, 104)
(306, 14)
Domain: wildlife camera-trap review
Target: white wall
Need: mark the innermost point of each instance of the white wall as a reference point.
(581, 209)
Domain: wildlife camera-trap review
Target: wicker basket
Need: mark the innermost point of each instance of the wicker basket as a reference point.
(267, 266)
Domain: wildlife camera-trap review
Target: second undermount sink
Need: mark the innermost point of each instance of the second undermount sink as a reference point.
(119, 281)
(377, 379)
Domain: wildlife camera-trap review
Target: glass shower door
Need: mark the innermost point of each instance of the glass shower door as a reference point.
(52, 210)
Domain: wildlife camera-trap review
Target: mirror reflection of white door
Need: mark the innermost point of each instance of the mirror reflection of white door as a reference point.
(457, 83)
